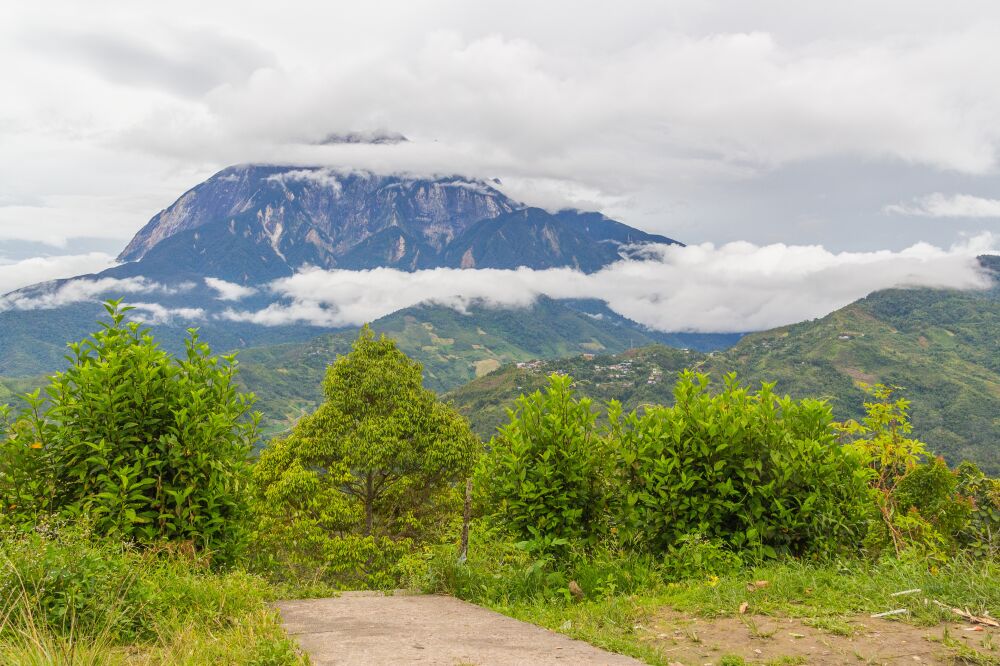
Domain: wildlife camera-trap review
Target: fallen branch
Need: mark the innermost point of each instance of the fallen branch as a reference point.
(969, 617)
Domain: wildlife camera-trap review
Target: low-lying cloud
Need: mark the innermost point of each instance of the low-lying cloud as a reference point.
(734, 287)
(43, 297)
(229, 291)
(17, 274)
(942, 205)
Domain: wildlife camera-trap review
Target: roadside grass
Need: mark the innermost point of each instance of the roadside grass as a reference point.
(71, 599)
(826, 596)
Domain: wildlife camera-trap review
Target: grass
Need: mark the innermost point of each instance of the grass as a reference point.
(825, 596)
(71, 599)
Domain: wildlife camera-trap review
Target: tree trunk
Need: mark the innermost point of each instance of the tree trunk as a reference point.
(466, 518)
(369, 505)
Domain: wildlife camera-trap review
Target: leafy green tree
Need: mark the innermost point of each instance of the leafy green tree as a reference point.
(146, 446)
(371, 471)
(754, 470)
(546, 476)
(882, 441)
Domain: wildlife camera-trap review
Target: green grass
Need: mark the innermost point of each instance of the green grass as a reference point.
(71, 599)
(822, 595)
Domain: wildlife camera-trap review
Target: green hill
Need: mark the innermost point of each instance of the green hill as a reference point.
(454, 347)
(942, 347)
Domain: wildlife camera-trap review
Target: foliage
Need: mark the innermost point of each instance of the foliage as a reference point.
(546, 476)
(694, 556)
(367, 475)
(73, 598)
(754, 470)
(922, 509)
(146, 446)
(981, 534)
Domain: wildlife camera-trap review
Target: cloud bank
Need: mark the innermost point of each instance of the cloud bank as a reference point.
(17, 274)
(701, 120)
(941, 205)
(733, 287)
(44, 297)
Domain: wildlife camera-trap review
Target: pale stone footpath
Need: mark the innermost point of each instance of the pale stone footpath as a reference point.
(370, 628)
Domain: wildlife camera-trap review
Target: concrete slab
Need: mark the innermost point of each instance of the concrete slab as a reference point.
(368, 628)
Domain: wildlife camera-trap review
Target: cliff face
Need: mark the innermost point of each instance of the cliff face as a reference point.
(330, 213)
(253, 223)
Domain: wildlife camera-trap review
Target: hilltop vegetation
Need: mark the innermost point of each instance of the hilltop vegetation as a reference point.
(941, 348)
(135, 526)
(453, 348)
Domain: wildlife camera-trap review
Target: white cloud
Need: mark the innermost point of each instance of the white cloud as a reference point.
(229, 291)
(941, 205)
(326, 177)
(46, 296)
(657, 109)
(154, 313)
(22, 273)
(734, 287)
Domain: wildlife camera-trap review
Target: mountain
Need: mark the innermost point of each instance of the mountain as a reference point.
(533, 237)
(941, 347)
(252, 224)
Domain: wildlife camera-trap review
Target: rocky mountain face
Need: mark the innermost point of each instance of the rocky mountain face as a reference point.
(253, 223)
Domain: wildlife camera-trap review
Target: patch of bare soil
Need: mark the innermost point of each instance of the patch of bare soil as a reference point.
(863, 640)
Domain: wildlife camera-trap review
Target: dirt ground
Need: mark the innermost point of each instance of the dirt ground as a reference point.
(697, 641)
(366, 628)
(371, 628)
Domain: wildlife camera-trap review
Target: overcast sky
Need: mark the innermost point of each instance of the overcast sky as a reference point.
(857, 126)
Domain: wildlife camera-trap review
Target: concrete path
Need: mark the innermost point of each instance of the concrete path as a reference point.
(366, 628)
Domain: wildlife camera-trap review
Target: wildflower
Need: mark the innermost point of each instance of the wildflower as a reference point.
(36, 445)
(713, 581)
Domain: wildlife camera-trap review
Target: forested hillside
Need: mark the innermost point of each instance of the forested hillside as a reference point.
(940, 347)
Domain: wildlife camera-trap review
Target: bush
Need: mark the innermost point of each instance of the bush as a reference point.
(546, 475)
(366, 478)
(145, 446)
(981, 534)
(755, 471)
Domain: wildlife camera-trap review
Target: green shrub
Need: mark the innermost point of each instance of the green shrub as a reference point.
(981, 533)
(366, 478)
(693, 556)
(147, 447)
(546, 475)
(930, 491)
(753, 470)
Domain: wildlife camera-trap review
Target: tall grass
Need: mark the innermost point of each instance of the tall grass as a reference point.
(68, 598)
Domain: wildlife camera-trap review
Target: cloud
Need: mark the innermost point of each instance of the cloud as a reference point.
(659, 114)
(733, 287)
(154, 313)
(187, 62)
(22, 273)
(325, 177)
(47, 296)
(229, 291)
(941, 205)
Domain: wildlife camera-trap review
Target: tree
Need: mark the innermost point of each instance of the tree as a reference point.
(374, 466)
(881, 440)
(146, 446)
